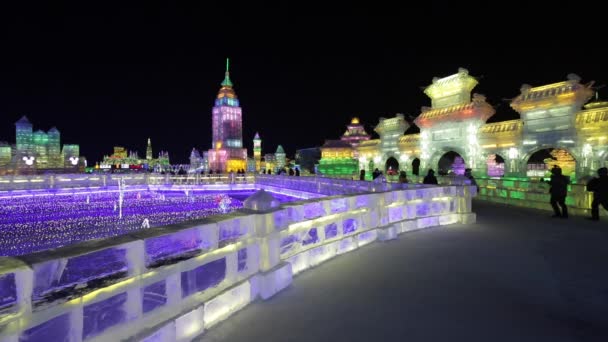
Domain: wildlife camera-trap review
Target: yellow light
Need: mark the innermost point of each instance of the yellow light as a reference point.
(549, 86)
(488, 145)
(355, 121)
(507, 145)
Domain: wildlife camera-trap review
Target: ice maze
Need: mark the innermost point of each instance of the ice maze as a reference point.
(173, 283)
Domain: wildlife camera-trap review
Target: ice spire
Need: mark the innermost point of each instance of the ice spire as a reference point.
(149, 150)
(227, 82)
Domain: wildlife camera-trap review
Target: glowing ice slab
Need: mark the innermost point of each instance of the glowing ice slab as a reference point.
(387, 233)
(468, 218)
(425, 222)
(164, 334)
(449, 219)
(189, 325)
(227, 303)
(367, 237)
(275, 280)
(346, 245)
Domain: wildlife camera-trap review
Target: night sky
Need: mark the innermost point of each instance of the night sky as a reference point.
(107, 76)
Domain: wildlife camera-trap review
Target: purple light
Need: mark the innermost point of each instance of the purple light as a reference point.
(31, 224)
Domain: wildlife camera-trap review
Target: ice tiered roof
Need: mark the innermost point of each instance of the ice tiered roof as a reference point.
(336, 144)
(477, 109)
(23, 120)
(409, 139)
(502, 127)
(555, 94)
(595, 113)
(369, 144)
(450, 85)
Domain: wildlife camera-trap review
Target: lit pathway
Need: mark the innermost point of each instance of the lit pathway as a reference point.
(516, 275)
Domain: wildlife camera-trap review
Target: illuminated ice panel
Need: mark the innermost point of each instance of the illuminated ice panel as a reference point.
(54, 276)
(103, 315)
(154, 295)
(8, 291)
(176, 245)
(56, 329)
(203, 277)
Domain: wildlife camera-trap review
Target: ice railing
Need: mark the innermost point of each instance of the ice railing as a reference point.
(532, 194)
(64, 181)
(330, 186)
(171, 283)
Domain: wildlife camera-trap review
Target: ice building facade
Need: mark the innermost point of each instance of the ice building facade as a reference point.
(552, 117)
(38, 151)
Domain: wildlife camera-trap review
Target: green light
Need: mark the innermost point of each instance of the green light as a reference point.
(227, 82)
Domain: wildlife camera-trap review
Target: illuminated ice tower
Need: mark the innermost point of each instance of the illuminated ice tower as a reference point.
(355, 133)
(54, 149)
(280, 158)
(25, 143)
(227, 152)
(149, 150)
(257, 151)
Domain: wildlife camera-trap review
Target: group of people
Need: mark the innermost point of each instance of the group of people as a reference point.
(428, 179)
(559, 191)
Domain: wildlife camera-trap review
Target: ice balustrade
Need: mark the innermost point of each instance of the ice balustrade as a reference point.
(67, 181)
(533, 194)
(329, 185)
(173, 282)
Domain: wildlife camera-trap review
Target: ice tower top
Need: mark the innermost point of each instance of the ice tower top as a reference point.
(226, 96)
(227, 82)
(451, 90)
(23, 121)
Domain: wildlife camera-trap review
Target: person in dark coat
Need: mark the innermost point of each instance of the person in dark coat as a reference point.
(291, 172)
(402, 177)
(376, 173)
(362, 175)
(297, 172)
(558, 191)
(430, 177)
(469, 174)
(599, 186)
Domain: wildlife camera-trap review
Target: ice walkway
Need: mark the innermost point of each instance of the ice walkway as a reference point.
(515, 275)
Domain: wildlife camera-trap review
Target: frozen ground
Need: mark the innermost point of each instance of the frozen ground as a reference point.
(516, 275)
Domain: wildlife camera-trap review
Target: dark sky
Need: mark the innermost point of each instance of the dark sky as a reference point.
(110, 76)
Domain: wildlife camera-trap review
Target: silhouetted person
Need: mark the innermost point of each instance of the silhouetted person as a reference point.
(468, 173)
(269, 172)
(376, 173)
(181, 171)
(599, 186)
(430, 178)
(558, 191)
(362, 175)
(402, 177)
(297, 172)
(291, 172)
